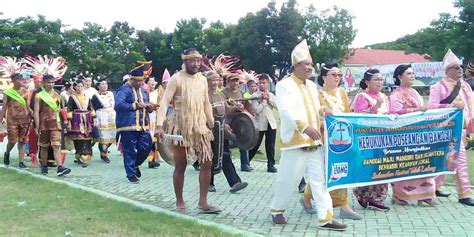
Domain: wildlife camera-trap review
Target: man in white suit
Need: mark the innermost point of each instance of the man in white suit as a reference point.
(301, 150)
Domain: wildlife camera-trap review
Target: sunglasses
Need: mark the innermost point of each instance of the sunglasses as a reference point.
(457, 67)
(335, 74)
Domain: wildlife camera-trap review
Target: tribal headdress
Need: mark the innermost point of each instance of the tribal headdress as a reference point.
(10, 66)
(247, 76)
(224, 64)
(44, 65)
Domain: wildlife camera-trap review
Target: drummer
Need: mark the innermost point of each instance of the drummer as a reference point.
(217, 100)
(233, 92)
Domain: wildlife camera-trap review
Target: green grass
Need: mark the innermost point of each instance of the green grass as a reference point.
(52, 209)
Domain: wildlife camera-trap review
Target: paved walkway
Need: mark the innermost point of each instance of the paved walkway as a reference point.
(249, 209)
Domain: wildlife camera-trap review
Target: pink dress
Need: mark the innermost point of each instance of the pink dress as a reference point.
(438, 92)
(364, 103)
(401, 100)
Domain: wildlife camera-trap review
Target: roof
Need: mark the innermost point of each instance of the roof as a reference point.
(383, 56)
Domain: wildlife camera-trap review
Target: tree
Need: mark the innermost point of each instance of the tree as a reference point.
(264, 40)
(29, 36)
(446, 32)
(330, 33)
(107, 53)
(157, 48)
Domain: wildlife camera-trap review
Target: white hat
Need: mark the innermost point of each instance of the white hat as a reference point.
(301, 53)
(449, 59)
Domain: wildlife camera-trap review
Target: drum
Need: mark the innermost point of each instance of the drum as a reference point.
(167, 149)
(218, 144)
(244, 129)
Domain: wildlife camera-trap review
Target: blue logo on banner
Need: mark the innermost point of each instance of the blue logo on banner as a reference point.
(340, 136)
(339, 170)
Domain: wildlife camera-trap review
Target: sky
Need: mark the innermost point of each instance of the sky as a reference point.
(376, 21)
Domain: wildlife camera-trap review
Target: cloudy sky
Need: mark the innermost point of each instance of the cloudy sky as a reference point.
(375, 20)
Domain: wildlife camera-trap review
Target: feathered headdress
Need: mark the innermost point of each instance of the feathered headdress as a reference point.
(44, 65)
(247, 76)
(10, 66)
(224, 64)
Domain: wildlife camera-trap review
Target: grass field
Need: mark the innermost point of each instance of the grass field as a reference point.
(33, 207)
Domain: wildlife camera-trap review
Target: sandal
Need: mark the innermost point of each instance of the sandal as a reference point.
(309, 210)
(181, 210)
(399, 202)
(209, 210)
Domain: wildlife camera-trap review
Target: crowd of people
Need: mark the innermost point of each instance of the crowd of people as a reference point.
(194, 105)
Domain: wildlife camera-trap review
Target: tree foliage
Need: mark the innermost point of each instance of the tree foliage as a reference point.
(263, 40)
(456, 33)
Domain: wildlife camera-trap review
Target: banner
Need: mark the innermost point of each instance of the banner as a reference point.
(426, 74)
(367, 149)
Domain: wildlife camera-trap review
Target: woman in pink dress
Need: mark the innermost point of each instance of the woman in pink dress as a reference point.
(372, 101)
(404, 100)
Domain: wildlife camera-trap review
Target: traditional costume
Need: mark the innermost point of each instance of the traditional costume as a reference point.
(89, 91)
(49, 116)
(299, 108)
(338, 101)
(218, 102)
(103, 104)
(237, 94)
(80, 115)
(373, 195)
(446, 94)
(39, 67)
(15, 109)
(133, 124)
(402, 100)
(191, 114)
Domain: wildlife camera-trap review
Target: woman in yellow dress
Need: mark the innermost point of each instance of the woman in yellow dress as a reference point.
(335, 97)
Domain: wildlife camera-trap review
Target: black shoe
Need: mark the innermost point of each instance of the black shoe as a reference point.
(52, 165)
(196, 166)
(105, 159)
(22, 166)
(238, 186)
(334, 225)
(363, 204)
(378, 207)
(469, 144)
(138, 172)
(278, 219)
(6, 159)
(153, 164)
(301, 187)
(81, 163)
(246, 168)
(63, 171)
(44, 169)
(442, 194)
(133, 179)
(467, 201)
(272, 169)
(211, 189)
